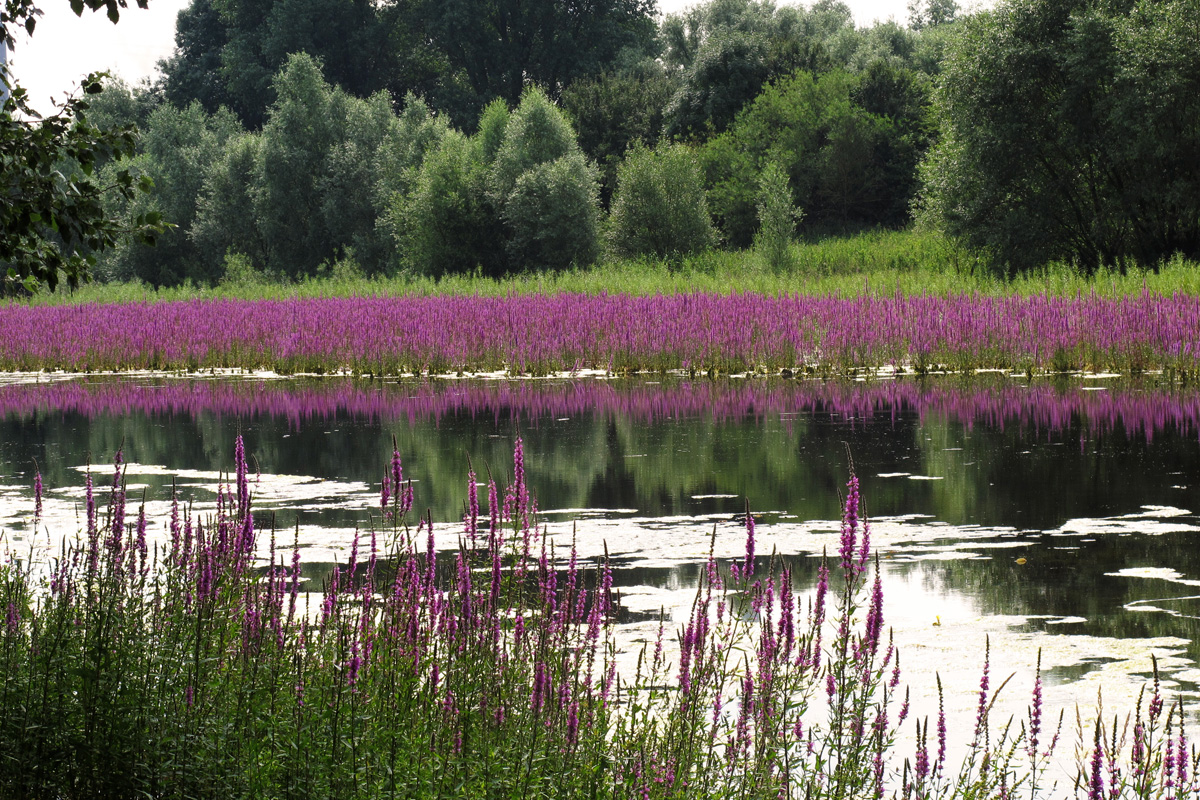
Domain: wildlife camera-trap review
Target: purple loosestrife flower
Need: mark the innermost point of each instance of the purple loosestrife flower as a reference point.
(685, 658)
(385, 495)
(922, 765)
(142, 548)
(1096, 780)
(1182, 749)
(538, 696)
(12, 619)
(37, 495)
(494, 530)
(748, 569)
(93, 530)
(940, 764)
(981, 713)
(874, 616)
(472, 519)
(243, 484)
(1035, 711)
(573, 723)
(787, 628)
(846, 552)
(819, 610)
(176, 531)
(118, 460)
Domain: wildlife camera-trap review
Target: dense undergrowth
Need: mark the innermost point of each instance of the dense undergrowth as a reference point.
(200, 669)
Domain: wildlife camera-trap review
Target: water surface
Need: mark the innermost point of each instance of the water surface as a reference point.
(1058, 515)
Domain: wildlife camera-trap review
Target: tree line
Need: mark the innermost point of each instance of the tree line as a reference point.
(287, 137)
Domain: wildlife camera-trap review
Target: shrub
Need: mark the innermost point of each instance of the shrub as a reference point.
(660, 207)
(777, 218)
(448, 224)
(546, 192)
(553, 215)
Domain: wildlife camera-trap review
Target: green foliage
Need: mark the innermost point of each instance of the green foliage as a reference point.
(931, 13)
(493, 123)
(728, 71)
(225, 211)
(612, 112)
(239, 272)
(497, 49)
(777, 219)
(538, 132)
(1069, 132)
(447, 224)
(56, 215)
(726, 51)
(544, 189)
(178, 149)
(837, 154)
(228, 51)
(553, 214)
(660, 208)
(318, 174)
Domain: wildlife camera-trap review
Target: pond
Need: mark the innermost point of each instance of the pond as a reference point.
(1052, 514)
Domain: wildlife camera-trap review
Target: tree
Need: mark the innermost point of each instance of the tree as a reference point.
(495, 49)
(178, 148)
(726, 51)
(229, 51)
(53, 217)
(777, 218)
(612, 112)
(931, 13)
(659, 208)
(1070, 131)
(544, 189)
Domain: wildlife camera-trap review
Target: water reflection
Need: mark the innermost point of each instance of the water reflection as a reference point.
(1061, 513)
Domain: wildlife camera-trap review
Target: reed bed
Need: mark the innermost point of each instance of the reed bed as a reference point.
(543, 334)
(200, 670)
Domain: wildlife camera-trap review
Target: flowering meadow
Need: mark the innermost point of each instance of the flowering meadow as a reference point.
(206, 670)
(540, 334)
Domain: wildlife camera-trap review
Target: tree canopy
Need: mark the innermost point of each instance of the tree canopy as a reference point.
(54, 218)
(1070, 130)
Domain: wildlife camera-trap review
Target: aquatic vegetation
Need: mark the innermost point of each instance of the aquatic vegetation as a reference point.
(210, 668)
(541, 334)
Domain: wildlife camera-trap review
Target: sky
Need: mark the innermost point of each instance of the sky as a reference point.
(65, 47)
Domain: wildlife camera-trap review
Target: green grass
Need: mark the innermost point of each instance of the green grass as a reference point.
(879, 262)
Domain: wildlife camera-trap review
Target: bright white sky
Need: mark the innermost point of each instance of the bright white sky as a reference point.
(66, 47)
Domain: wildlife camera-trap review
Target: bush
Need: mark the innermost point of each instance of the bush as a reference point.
(777, 218)
(447, 224)
(660, 207)
(553, 215)
(546, 192)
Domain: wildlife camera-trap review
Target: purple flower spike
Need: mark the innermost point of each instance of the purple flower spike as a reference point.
(981, 712)
(846, 552)
(471, 523)
(748, 569)
(1096, 780)
(37, 495)
(874, 617)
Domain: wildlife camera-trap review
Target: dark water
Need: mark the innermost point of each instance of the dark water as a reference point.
(1062, 513)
